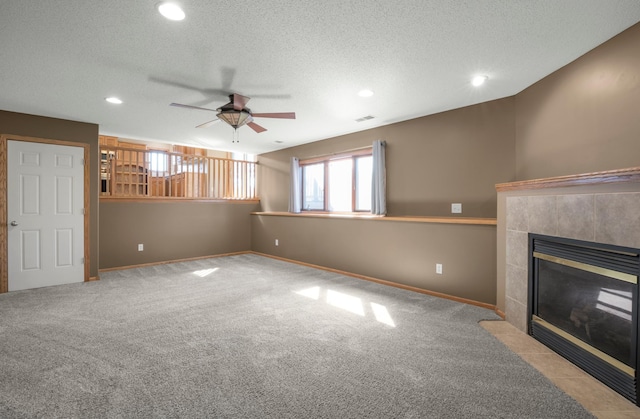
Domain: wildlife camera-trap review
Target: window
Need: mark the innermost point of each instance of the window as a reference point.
(313, 187)
(243, 156)
(337, 183)
(158, 162)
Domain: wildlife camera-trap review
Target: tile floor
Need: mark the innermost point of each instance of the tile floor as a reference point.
(599, 399)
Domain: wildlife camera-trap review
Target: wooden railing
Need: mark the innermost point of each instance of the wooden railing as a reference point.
(135, 173)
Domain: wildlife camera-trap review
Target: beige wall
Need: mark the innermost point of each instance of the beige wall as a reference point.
(171, 230)
(584, 117)
(60, 129)
(401, 252)
(455, 156)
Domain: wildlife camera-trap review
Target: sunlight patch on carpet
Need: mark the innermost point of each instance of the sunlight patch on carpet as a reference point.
(345, 302)
(313, 293)
(382, 314)
(205, 272)
(349, 303)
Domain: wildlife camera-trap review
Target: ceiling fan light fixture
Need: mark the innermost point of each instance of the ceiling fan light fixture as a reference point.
(479, 80)
(114, 100)
(365, 93)
(171, 11)
(235, 118)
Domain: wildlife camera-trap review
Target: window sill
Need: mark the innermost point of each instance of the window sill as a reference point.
(435, 220)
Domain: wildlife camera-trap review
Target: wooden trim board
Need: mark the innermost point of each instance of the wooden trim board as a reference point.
(177, 199)
(142, 265)
(609, 176)
(4, 251)
(435, 220)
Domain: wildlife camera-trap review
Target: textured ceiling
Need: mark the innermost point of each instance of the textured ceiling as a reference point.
(62, 58)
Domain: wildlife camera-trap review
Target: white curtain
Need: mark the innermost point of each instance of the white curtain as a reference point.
(295, 193)
(379, 180)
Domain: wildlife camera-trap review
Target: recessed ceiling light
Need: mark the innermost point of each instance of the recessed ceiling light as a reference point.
(171, 11)
(479, 80)
(113, 100)
(365, 93)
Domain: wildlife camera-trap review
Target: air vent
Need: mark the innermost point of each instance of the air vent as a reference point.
(365, 118)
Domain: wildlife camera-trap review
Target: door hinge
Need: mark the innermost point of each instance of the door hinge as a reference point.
(82, 261)
(82, 161)
(82, 211)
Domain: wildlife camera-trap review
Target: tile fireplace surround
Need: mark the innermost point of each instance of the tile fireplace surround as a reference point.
(599, 207)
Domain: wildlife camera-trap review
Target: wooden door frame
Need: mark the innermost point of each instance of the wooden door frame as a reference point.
(4, 250)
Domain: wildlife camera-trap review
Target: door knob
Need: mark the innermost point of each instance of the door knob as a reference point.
(14, 223)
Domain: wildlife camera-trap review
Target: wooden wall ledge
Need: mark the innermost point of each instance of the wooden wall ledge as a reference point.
(107, 198)
(610, 176)
(435, 220)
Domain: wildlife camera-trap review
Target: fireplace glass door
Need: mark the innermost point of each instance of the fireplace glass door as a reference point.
(583, 301)
(596, 309)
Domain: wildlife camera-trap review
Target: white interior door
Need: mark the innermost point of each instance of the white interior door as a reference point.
(45, 197)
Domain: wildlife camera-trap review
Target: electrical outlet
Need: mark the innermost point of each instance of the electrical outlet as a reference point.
(277, 242)
(439, 268)
(140, 247)
(456, 208)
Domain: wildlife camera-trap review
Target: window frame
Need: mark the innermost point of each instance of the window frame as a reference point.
(325, 160)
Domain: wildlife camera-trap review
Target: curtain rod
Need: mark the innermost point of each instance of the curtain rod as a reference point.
(340, 152)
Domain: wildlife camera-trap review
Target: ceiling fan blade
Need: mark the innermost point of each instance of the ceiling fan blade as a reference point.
(274, 96)
(257, 128)
(228, 74)
(180, 105)
(174, 83)
(283, 115)
(210, 93)
(215, 92)
(207, 101)
(208, 124)
(239, 101)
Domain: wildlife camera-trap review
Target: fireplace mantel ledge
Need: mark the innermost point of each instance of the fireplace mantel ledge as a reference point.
(610, 176)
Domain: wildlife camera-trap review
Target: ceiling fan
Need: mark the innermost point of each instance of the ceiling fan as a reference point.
(236, 114)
